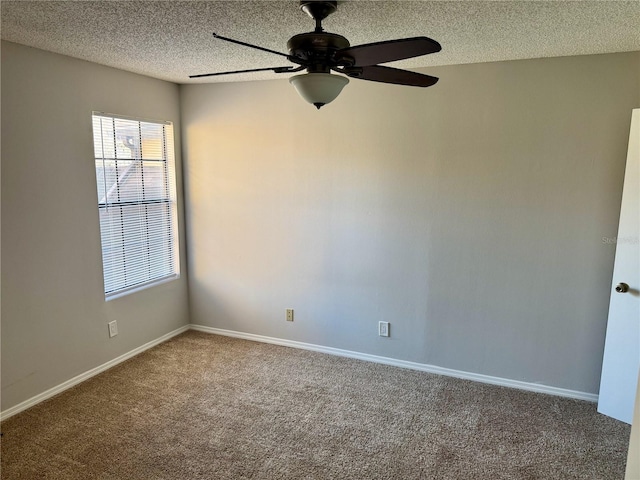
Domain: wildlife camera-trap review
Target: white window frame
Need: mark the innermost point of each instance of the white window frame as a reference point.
(168, 158)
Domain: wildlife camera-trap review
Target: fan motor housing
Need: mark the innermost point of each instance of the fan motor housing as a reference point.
(316, 45)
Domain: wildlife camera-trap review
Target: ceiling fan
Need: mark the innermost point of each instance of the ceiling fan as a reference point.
(320, 52)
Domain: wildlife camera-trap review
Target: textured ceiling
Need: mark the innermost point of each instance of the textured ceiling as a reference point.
(172, 39)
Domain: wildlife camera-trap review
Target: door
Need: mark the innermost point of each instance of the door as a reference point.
(622, 346)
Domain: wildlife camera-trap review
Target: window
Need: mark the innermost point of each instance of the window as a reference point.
(136, 202)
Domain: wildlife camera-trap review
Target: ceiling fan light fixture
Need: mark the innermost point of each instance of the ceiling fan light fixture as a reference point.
(318, 88)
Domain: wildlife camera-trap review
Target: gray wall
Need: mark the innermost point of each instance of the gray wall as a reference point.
(54, 316)
(470, 215)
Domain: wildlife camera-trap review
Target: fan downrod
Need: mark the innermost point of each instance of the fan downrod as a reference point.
(318, 10)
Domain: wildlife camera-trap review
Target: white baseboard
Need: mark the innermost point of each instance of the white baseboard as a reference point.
(88, 374)
(503, 382)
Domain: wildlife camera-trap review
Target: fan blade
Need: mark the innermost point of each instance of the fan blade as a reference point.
(378, 73)
(389, 51)
(275, 69)
(245, 44)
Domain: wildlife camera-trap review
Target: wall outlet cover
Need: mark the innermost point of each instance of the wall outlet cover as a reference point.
(113, 329)
(383, 329)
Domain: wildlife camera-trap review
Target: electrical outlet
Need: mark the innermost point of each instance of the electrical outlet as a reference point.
(289, 314)
(113, 329)
(383, 329)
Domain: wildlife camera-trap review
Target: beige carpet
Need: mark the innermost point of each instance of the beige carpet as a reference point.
(208, 407)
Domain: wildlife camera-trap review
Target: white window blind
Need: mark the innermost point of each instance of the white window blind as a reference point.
(136, 202)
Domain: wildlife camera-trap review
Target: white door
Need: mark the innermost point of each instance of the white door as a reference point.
(622, 346)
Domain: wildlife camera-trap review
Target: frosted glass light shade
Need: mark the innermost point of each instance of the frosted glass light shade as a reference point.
(319, 88)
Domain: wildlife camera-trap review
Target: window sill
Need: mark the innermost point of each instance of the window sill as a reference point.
(137, 288)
